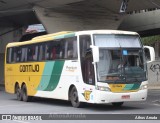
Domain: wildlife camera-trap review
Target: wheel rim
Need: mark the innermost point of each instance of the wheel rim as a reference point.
(18, 93)
(75, 96)
(24, 93)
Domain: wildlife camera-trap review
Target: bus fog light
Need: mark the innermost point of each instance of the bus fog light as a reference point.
(101, 88)
(143, 87)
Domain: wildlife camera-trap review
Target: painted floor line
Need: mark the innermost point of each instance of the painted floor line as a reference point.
(4, 106)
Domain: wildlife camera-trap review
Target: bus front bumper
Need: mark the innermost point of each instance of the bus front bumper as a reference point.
(102, 97)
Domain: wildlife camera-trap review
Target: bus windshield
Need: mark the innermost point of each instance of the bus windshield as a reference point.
(123, 64)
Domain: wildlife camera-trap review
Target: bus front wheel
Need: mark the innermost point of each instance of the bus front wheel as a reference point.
(74, 98)
(25, 96)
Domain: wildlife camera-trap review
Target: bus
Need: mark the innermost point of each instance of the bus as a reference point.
(94, 66)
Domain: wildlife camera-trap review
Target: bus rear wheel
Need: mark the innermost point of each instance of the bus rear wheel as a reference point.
(74, 98)
(18, 93)
(25, 96)
(117, 104)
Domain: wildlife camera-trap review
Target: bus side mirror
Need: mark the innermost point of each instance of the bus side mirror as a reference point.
(95, 52)
(149, 53)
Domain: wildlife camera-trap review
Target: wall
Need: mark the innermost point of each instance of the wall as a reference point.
(154, 74)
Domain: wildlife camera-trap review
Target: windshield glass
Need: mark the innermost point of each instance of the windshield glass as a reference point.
(116, 40)
(120, 64)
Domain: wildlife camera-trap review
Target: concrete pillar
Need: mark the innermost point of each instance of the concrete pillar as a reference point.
(55, 21)
(141, 21)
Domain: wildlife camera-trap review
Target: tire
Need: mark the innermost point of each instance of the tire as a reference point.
(117, 104)
(74, 98)
(18, 93)
(25, 96)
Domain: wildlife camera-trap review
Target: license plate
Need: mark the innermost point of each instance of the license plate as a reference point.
(125, 97)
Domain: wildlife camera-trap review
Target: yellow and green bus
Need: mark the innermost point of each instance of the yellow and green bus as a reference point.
(95, 66)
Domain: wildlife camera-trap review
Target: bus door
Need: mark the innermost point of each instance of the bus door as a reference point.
(86, 57)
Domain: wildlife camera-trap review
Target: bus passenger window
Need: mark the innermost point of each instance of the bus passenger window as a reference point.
(24, 54)
(35, 53)
(75, 48)
(61, 46)
(70, 54)
(70, 49)
(53, 54)
(9, 55)
(47, 52)
(18, 52)
(41, 55)
(14, 55)
(30, 54)
(53, 50)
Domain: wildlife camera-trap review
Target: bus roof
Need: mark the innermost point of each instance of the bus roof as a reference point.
(65, 34)
(43, 38)
(106, 32)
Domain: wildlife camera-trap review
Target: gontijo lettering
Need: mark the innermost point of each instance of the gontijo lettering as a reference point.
(29, 68)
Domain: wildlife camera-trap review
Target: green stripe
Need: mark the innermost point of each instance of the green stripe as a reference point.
(131, 86)
(136, 86)
(55, 77)
(46, 76)
(128, 86)
(64, 36)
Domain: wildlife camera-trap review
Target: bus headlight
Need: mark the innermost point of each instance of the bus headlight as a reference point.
(102, 88)
(143, 87)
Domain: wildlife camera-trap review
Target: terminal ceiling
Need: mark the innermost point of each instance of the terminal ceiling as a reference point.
(20, 12)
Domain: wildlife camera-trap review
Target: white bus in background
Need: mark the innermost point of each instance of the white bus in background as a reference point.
(149, 53)
(153, 68)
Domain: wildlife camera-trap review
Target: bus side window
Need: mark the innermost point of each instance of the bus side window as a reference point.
(18, 54)
(72, 48)
(53, 53)
(35, 53)
(62, 49)
(30, 54)
(24, 54)
(9, 55)
(41, 55)
(53, 50)
(75, 55)
(40, 52)
(69, 49)
(14, 55)
(48, 51)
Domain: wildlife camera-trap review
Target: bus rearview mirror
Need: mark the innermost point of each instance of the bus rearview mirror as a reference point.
(95, 51)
